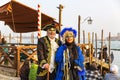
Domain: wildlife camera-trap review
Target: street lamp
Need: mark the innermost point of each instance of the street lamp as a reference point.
(88, 19)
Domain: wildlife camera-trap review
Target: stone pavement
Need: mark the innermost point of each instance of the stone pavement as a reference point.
(4, 77)
(8, 74)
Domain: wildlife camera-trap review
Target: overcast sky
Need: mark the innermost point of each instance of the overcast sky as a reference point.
(105, 14)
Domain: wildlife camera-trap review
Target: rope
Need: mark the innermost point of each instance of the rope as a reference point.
(12, 16)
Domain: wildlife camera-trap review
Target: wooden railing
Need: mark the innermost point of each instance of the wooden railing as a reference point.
(13, 56)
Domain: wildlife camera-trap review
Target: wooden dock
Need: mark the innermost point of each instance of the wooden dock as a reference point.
(99, 62)
(15, 60)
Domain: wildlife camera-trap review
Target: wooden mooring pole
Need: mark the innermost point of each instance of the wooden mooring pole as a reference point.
(96, 44)
(10, 38)
(109, 50)
(0, 37)
(32, 38)
(60, 17)
(101, 51)
(83, 37)
(79, 18)
(20, 37)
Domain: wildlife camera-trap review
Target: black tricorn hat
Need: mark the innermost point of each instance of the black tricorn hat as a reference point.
(56, 26)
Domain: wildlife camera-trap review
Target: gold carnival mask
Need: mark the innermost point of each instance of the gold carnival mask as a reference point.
(68, 33)
(69, 36)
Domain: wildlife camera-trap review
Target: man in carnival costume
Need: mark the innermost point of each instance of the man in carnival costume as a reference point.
(69, 58)
(46, 49)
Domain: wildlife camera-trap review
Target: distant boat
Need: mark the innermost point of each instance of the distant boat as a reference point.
(114, 38)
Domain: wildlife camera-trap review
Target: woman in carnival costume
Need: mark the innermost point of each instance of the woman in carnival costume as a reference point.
(69, 58)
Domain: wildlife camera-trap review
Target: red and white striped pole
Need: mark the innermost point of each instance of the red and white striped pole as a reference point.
(39, 22)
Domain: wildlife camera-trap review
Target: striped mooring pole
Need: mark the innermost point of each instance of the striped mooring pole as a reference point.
(39, 21)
